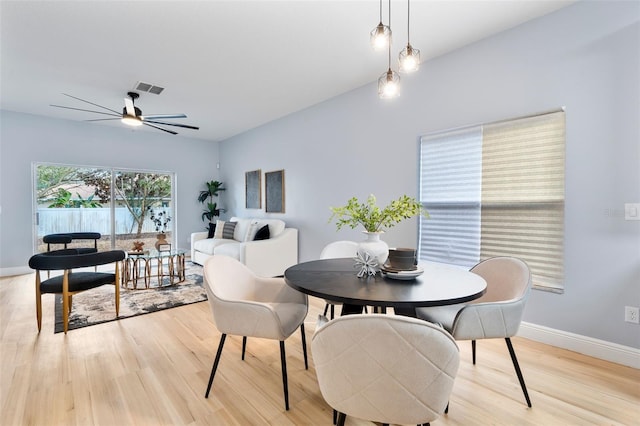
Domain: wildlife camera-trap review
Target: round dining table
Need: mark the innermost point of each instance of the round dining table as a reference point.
(337, 280)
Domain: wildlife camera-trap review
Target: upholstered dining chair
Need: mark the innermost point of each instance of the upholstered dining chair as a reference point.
(245, 304)
(497, 314)
(70, 283)
(385, 368)
(335, 250)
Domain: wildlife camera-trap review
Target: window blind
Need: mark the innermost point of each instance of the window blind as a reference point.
(523, 194)
(450, 184)
(496, 190)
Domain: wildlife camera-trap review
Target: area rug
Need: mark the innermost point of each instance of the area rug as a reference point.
(97, 306)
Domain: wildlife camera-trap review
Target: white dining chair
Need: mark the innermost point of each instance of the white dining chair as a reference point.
(496, 314)
(245, 304)
(385, 368)
(335, 250)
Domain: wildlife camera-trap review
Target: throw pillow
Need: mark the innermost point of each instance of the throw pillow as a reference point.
(219, 229)
(229, 230)
(251, 232)
(212, 230)
(225, 230)
(262, 234)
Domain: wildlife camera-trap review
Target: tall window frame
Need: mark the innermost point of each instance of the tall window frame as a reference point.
(497, 189)
(116, 202)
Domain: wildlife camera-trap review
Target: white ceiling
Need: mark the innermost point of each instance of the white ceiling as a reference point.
(229, 65)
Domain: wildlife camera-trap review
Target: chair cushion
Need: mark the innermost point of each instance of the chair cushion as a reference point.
(209, 245)
(231, 250)
(78, 281)
(443, 316)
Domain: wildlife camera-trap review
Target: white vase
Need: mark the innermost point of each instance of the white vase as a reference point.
(375, 247)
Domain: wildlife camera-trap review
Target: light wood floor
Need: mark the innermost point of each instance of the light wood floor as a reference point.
(153, 370)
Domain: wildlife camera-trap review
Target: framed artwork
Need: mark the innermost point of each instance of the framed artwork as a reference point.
(253, 189)
(164, 247)
(274, 188)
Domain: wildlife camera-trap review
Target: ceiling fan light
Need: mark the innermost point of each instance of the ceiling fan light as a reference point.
(380, 36)
(409, 59)
(389, 85)
(131, 121)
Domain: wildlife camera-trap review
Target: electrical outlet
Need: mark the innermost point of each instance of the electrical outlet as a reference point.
(632, 314)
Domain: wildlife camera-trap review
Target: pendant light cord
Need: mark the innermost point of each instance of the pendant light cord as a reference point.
(389, 33)
(408, 15)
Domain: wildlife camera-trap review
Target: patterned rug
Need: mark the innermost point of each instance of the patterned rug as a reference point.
(97, 306)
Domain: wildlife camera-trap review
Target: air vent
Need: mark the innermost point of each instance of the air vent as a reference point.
(150, 88)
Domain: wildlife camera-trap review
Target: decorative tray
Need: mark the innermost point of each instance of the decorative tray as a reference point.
(402, 275)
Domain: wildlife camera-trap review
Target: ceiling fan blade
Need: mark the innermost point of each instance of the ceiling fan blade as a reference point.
(186, 126)
(86, 110)
(105, 119)
(91, 103)
(159, 128)
(128, 104)
(164, 116)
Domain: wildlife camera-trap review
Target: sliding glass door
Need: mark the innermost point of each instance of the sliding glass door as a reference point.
(122, 205)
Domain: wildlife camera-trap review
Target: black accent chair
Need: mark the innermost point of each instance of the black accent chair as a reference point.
(68, 237)
(70, 283)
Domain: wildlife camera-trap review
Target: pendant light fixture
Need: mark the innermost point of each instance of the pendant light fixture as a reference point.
(389, 82)
(409, 58)
(380, 36)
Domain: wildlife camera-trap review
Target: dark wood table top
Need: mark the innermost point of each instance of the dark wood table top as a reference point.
(336, 280)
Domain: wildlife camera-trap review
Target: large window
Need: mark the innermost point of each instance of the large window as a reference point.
(496, 190)
(122, 205)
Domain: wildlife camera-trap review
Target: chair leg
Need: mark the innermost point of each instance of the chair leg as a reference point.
(341, 418)
(304, 346)
(326, 309)
(66, 301)
(518, 372)
(335, 417)
(38, 302)
(283, 361)
(473, 351)
(333, 309)
(446, 409)
(215, 364)
(244, 346)
(117, 286)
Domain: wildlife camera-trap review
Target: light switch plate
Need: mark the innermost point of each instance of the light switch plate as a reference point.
(632, 211)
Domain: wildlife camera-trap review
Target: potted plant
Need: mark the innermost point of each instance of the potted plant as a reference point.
(161, 221)
(376, 220)
(212, 210)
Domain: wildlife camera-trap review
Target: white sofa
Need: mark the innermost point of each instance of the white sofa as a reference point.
(268, 258)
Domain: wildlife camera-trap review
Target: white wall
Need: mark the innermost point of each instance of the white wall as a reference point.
(25, 139)
(585, 57)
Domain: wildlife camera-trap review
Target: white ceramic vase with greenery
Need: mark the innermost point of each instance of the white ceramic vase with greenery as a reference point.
(375, 220)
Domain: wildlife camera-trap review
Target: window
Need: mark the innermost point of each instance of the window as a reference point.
(496, 190)
(122, 205)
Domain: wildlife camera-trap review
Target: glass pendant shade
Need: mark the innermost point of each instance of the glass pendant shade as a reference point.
(380, 36)
(389, 85)
(409, 59)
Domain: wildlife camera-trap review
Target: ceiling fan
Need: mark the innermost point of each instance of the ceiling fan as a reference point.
(132, 115)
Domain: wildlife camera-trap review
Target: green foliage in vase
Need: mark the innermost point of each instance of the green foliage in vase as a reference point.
(372, 217)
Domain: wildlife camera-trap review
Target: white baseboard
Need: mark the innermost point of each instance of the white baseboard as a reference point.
(596, 348)
(17, 270)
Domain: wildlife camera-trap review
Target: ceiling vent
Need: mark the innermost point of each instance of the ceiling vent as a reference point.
(149, 88)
